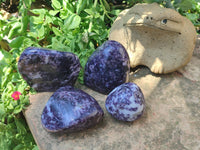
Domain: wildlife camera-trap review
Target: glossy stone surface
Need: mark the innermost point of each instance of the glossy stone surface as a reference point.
(125, 102)
(47, 70)
(70, 109)
(107, 67)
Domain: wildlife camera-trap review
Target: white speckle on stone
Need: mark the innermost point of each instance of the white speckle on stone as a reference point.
(35, 85)
(46, 59)
(126, 102)
(36, 75)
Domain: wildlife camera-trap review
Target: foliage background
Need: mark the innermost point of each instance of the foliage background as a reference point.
(77, 26)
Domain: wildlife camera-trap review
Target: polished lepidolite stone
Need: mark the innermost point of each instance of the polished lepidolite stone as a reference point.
(47, 70)
(70, 109)
(125, 102)
(107, 67)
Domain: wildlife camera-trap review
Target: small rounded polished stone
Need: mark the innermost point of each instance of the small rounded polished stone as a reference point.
(107, 67)
(70, 109)
(125, 102)
(46, 70)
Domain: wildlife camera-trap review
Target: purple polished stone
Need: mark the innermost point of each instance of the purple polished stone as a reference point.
(47, 70)
(107, 67)
(70, 109)
(125, 102)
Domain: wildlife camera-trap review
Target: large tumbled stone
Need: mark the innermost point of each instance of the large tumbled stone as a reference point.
(107, 67)
(47, 70)
(126, 102)
(159, 38)
(70, 109)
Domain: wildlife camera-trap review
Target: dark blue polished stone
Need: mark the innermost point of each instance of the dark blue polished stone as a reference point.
(70, 109)
(47, 70)
(126, 102)
(107, 67)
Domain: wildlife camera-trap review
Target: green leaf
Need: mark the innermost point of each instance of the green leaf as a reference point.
(20, 123)
(10, 118)
(2, 127)
(53, 12)
(72, 22)
(10, 106)
(56, 4)
(68, 7)
(58, 45)
(22, 86)
(32, 34)
(37, 19)
(35, 148)
(115, 12)
(27, 42)
(2, 111)
(15, 30)
(40, 30)
(25, 21)
(27, 3)
(192, 17)
(17, 109)
(105, 4)
(186, 5)
(37, 31)
(7, 70)
(57, 31)
(17, 42)
(5, 58)
(89, 11)
(15, 77)
(19, 147)
(48, 19)
(38, 11)
(80, 6)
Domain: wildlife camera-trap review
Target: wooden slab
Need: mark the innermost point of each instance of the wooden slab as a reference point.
(171, 120)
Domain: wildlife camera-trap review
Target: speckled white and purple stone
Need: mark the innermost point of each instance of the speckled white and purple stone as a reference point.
(107, 67)
(47, 70)
(70, 109)
(126, 102)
